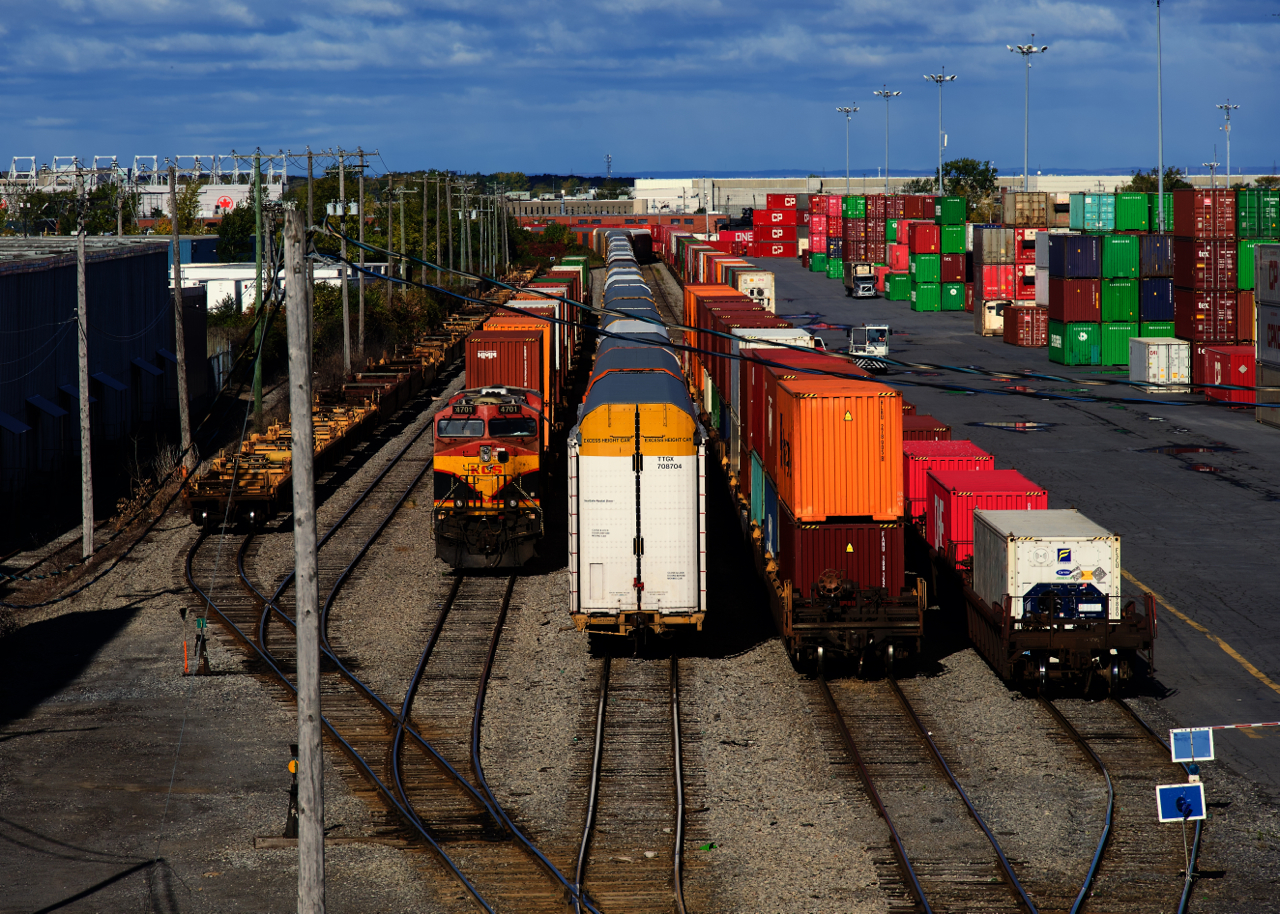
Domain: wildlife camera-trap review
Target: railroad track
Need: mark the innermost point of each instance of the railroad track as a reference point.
(631, 854)
(948, 858)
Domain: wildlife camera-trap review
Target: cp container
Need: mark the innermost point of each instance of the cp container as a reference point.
(1163, 361)
(1155, 255)
(1114, 339)
(1026, 326)
(926, 296)
(1075, 256)
(1119, 300)
(1201, 213)
(952, 239)
(839, 447)
(1078, 300)
(1258, 213)
(926, 267)
(1156, 329)
(953, 296)
(1075, 343)
(950, 211)
(1205, 317)
(1204, 264)
(780, 201)
(774, 217)
(921, 457)
(1230, 365)
(1266, 274)
(922, 427)
(1093, 212)
(1244, 263)
(1155, 302)
(775, 233)
(952, 497)
(869, 554)
(1120, 256)
(1046, 561)
(1133, 212)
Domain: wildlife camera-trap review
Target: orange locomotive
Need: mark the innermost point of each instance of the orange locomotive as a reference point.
(488, 477)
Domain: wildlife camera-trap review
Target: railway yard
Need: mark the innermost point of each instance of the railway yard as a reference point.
(481, 752)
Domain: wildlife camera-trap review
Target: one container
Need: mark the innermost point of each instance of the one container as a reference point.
(1155, 255)
(952, 239)
(1162, 361)
(1055, 561)
(1115, 342)
(1133, 212)
(1078, 300)
(868, 554)
(1026, 326)
(1205, 213)
(1119, 300)
(952, 296)
(1075, 343)
(1120, 256)
(1204, 264)
(952, 497)
(950, 211)
(921, 457)
(1268, 376)
(1205, 317)
(1244, 263)
(1155, 300)
(1157, 329)
(1075, 256)
(922, 427)
(926, 267)
(1231, 365)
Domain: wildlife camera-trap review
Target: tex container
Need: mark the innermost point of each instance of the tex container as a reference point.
(1231, 365)
(1026, 326)
(926, 296)
(853, 207)
(839, 449)
(1114, 339)
(1075, 256)
(869, 554)
(953, 495)
(1205, 213)
(1120, 299)
(1078, 300)
(919, 458)
(1075, 343)
(1133, 212)
(1093, 212)
(1203, 316)
(926, 267)
(950, 211)
(1160, 360)
(953, 268)
(1258, 213)
(1046, 561)
(1156, 329)
(1203, 263)
(1120, 256)
(1155, 299)
(952, 296)
(952, 239)
(923, 427)
(898, 287)
(1155, 256)
(1244, 263)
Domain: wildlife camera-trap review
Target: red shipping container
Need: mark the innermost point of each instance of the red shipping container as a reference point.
(913, 207)
(924, 237)
(1026, 326)
(924, 428)
(1204, 317)
(776, 249)
(1246, 317)
(1024, 245)
(818, 242)
(996, 281)
(496, 358)
(1075, 300)
(870, 555)
(803, 216)
(882, 271)
(780, 201)
(817, 222)
(875, 206)
(1024, 286)
(953, 268)
(773, 217)
(968, 297)
(1202, 213)
(899, 258)
(1234, 365)
(855, 251)
(908, 409)
(952, 496)
(776, 233)
(920, 457)
(894, 207)
(1204, 264)
(853, 229)
(834, 206)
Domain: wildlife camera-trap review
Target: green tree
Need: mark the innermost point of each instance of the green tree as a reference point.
(188, 199)
(555, 233)
(235, 234)
(920, 186)
(1145, 182)
(1270, 182)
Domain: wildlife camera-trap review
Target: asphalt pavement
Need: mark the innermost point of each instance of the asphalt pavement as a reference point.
(1200, 528)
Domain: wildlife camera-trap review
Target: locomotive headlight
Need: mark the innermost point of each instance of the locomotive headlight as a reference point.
(511, 503)
(486, 453)
(457, 502)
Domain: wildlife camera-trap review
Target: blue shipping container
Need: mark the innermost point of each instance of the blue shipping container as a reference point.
(1156, 302)
(757, 489)
(1075, 256)
(1155, 255)
(770, 525)
(1092, 212)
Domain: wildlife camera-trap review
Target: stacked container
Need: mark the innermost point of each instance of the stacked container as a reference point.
(1205, 271)
(952, 496)
(953, 270)
(994, 268)
(1257, 222)
(1266, 287)
(1155, 285)
(922, 457)
(775, 229)
(1074, 299)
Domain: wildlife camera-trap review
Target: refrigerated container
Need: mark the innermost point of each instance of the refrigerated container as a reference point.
(1163, 360)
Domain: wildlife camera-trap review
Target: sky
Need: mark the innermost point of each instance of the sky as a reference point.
(665, 86)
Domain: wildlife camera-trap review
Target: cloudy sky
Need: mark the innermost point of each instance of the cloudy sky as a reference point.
(706, 87)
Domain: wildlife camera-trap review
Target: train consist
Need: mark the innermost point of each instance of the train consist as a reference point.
(636, 470)
(252, 484)
(492, 439)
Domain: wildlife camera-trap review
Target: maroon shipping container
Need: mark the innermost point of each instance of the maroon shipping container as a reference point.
(876, 207)
(1075, 300)
(853, 229)
(924, 428)
(1204, 264)
(924, 238)
(775, 233)
(1230, 365)
(894, 208)
(877, 250)
(871, 555)
(1026, 326)
(1204, 213)
(917, 207)
(1204, 317)
(855, 251)
(920, 457)
(780, 201)
(1246, 316)
(908, 409)
(504, 357)
(953, 268)
(968, 297)
(952, 496)
(994, 281)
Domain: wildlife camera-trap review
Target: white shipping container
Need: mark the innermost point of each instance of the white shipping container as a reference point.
(1267, 333)
(759, 286)
(988, 317)
(1042, 282)
(1266, 274)
(1161, 360)
(1042, 252)
(1030, 555)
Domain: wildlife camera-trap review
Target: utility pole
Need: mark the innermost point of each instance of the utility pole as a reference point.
(82, 353)
(360, 238)
(422, 270)
(847, 111)
(179, 331)
(1227, 109)
(257, 295)
(391, 210)
(119, 209)
(886, 95)
(437, 257)
(940, 78)
(448, 209)
(311, 220)
(306, 591)
(342, 267)
(1026, 50)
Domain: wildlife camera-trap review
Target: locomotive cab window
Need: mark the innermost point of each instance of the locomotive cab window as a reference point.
(460, 428)
(513, 427)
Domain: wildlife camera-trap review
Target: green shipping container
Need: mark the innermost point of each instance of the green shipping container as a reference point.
(1115, 342)
(1156, 328)
(1153, 220)
(1119, 300)
(1075, 344)
(927, 296)
(715, 407)
(891, 231)
(853, 207)
(1258, 214)
(950, 211)
(953, 296)
(835, 268)
(952, 239)
(926, 268)
(1119, 256)
(1133, 212)
(898, 286)
(1244, 263)
(817, 263)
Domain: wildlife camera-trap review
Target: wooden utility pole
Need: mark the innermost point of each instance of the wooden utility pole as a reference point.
(257, 294)
(360, 238)
(119, 211)
(448, 211)
(342, 267)
(437, 257)
(422, 278)
(404, 267)
(82, 351)
(179, 331)
(311, 220)
(391, 209)
(306, 592)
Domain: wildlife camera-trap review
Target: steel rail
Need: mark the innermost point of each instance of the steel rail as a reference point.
(1111, 798)
(347, 748)
(1010, 876)
(677, 858)
(593, 791)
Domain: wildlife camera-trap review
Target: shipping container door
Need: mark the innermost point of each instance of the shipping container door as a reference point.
(667, 496)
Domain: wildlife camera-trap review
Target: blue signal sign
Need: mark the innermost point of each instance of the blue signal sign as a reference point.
(1191, 744)
(1180, 802)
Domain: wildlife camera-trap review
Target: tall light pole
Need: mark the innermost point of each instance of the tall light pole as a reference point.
(1213, 171)
(940, 78)
(848, 112)
(1227, 109)
(886, 95)
(1159, 127)
(1026, 50)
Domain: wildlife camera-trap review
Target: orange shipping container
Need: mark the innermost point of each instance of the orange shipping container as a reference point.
(695, 291)
(840, 449)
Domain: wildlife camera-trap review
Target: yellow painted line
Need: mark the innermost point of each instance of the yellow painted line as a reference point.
(1230, 651)
(1251, 732)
